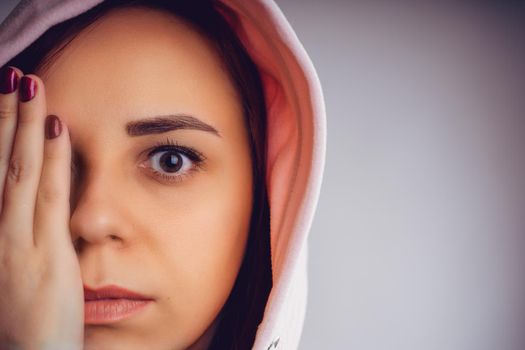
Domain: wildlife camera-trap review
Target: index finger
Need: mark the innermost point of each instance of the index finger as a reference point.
(9, 78)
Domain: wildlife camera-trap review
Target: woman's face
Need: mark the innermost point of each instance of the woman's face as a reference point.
(175, 235)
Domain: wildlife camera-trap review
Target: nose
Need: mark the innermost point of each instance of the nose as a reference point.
(97, 213)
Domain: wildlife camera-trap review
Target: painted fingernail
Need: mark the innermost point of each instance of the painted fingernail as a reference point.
(27, 89)
(53, 127)
(8, 80)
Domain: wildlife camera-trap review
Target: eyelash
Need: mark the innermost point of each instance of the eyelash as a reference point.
(196, 157)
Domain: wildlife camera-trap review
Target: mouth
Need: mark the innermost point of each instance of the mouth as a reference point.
(112, 304)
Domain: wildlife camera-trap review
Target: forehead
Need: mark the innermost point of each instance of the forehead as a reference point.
(139, 61)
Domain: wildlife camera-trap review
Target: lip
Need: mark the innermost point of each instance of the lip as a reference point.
(111, 304)
(112, 292)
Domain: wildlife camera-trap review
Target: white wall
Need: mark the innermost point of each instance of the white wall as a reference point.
(418, 242)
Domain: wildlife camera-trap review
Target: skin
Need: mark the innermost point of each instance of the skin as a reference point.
(180, 242)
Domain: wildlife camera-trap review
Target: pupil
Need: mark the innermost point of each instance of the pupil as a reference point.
(173, 162)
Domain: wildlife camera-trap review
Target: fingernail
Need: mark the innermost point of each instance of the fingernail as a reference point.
(8, 80)
(27, 89)
(53, 127)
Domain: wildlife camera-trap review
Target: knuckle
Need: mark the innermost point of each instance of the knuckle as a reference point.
(7, 111)
(26, 118)
(48, 194)
(52, 155)
(18, 170)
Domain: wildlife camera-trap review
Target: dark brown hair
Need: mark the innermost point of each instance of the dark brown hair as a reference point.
(244, 309)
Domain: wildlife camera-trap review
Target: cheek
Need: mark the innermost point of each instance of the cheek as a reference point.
(209, 221)
(210, 236)
(203, 246)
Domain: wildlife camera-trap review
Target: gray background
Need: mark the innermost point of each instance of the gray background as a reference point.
(419, 238)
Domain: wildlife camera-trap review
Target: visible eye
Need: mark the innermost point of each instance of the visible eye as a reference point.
(173, 162)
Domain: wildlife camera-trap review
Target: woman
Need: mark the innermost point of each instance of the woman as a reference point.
(191, 134)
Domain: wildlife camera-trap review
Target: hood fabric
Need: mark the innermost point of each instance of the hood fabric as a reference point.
(296, 141)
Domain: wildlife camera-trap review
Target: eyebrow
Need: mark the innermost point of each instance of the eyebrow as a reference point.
(164, 123)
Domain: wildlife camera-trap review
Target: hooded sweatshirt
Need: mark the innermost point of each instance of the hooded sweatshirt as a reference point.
(296, 133)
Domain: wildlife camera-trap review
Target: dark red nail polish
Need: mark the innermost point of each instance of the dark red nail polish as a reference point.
(27, 89)
(53, 126)
(8, 80)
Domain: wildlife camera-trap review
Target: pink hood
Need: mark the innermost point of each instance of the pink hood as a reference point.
(296, 141)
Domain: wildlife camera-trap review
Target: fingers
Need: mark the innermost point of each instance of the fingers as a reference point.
(25, 163)
(52, 204)
(35, 170)
(9, 82)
